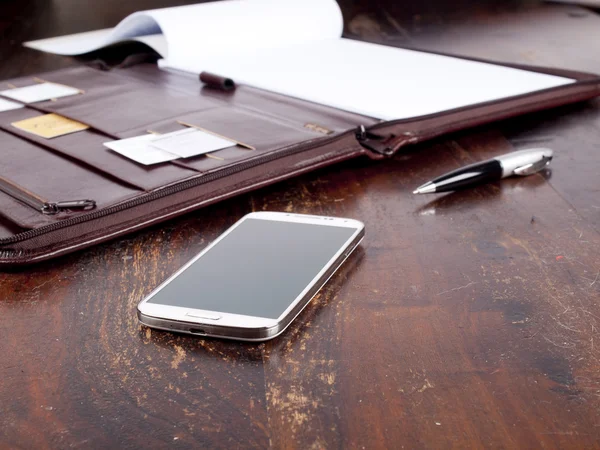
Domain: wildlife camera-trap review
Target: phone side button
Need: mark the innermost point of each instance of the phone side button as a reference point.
(203, 316)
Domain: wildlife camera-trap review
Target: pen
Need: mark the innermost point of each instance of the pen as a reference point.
(523, 162)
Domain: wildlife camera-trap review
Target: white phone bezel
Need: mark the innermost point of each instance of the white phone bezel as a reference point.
(238, 325)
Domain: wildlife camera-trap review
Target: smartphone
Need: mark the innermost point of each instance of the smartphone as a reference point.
(253, 281)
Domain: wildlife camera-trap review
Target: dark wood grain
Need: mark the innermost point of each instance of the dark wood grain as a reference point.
(466, 320)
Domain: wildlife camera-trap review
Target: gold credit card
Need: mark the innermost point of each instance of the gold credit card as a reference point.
(50, 125)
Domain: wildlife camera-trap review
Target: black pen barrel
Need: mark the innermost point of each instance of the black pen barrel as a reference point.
(468, 176)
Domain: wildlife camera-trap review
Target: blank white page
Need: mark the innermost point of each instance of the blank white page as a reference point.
(373, 80)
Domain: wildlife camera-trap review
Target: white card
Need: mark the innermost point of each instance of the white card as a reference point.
(7, 105)
(190, 142)
(138, 149)
(39, 92)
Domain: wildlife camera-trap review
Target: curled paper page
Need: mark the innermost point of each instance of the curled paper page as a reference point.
(214, 27)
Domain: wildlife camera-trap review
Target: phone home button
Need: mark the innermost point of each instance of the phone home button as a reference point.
(201, 315)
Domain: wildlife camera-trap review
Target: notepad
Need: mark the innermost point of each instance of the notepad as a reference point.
(295, 48)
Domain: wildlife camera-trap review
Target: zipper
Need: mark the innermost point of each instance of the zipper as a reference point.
(375, 142)
(170, 190)
(387, 145)
(56, 207)
(39, 203)
(368, 139)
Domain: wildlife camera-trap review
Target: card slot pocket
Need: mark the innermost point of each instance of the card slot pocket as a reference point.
(262, 133)
(110, 99)
(86, 147)
(92, 83)
(161, 127)
(200, 163)
(31, 176)
(293, 111)
(217, 159)
(228, 123)
(132, 109)
(113, 103)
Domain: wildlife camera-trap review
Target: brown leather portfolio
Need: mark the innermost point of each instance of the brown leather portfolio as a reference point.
(68, 192)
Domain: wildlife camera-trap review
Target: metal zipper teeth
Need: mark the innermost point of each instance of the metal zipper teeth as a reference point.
(24, 198)
(17, 192)
(577, 84)
(574, 86)
(38, 203)
(184, 185)
(45, 207)
(424, 135)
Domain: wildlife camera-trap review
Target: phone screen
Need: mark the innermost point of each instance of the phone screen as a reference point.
(258, 269)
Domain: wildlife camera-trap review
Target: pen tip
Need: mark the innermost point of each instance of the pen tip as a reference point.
(427, 188)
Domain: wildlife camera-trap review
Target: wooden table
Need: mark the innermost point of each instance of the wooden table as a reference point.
(467, 320)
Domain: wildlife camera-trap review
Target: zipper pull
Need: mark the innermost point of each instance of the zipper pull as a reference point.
(374, 142)
(56, 207)
(384, 145)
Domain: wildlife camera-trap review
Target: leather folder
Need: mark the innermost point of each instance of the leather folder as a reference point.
(63, 194)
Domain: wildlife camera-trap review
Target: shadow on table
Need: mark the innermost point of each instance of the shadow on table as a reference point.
(481, 196)
(254, 351)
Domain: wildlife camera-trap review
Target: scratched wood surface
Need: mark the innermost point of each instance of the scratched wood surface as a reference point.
(465, 320)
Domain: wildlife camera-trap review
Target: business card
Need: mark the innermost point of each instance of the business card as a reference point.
(7, 105)
(139, 150)
(50, 126)
(190, 142)
(39, 92)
